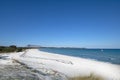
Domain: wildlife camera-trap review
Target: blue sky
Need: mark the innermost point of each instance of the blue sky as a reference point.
(73, 23)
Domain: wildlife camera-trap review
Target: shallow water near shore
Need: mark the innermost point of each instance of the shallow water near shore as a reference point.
(105, 55)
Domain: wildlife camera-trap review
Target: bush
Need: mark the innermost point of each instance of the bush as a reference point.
(19, 50)
(8, 49)
(1, 48)
(13, 46)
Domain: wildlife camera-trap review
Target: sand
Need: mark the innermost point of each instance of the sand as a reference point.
(55, 66)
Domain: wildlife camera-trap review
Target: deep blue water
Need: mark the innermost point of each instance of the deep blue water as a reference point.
(106, 55)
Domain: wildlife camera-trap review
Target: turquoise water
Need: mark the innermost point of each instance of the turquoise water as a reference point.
(106, 55)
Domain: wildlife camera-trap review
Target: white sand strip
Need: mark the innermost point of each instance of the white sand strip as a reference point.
(67, 65)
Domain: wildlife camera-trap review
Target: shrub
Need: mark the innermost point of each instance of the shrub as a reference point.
(19, 50)
(13, 46)
(8, 49)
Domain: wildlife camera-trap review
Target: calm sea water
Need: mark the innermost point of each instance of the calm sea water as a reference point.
(106, 55)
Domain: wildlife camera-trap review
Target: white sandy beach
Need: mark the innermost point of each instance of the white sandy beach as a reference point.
(65, 66)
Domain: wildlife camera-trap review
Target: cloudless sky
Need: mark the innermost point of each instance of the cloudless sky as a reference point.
(73, 23)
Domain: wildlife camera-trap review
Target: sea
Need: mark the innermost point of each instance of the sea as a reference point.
(104, 55)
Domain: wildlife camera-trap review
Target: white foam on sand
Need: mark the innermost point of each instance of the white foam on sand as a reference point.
(68, 65)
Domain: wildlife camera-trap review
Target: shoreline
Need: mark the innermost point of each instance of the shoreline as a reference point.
(64, 67)
(80, 57)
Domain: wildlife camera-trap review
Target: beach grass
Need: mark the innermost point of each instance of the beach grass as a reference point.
(91, 77)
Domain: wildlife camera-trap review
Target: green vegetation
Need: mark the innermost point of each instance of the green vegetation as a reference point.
(12, 48)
